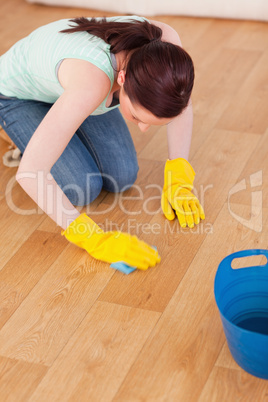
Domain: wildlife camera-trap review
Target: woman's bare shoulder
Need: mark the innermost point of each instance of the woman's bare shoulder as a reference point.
(76, 73)
(169, 33)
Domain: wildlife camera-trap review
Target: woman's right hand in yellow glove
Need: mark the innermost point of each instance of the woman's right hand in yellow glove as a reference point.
(112, 246)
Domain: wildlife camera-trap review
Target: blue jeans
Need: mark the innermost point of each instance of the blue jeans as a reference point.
(101, 153)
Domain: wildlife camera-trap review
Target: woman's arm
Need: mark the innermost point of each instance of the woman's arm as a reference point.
(179, 131)
(177, 198)
(179, 134)
(80, 98)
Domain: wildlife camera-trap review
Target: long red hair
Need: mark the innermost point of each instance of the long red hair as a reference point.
(159, 75)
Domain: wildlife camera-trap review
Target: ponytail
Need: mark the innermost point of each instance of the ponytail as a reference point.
(120, 35)
(159, 75)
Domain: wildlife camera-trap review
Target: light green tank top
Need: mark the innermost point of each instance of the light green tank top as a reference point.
(28, 70)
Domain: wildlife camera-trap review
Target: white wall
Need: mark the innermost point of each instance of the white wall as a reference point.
(239, 9)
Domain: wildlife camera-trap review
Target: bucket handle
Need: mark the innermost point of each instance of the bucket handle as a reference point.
(227, 261)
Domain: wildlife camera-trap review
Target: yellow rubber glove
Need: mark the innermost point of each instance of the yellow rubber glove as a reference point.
(177, 196)
(111, 246)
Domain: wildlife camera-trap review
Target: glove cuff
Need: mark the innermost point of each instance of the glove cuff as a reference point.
(181, 169)
(80, 229)
(181, 165)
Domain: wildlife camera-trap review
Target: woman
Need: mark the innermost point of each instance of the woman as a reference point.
(60, 91)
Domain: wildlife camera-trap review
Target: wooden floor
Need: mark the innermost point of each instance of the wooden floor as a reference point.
(73, 329)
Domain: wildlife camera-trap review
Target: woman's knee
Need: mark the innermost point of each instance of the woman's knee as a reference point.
(128, 176)
(84, 191)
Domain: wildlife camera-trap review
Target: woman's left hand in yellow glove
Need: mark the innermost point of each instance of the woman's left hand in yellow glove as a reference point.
(177, 198)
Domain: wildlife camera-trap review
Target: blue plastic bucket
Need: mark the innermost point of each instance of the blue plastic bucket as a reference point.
(242, 298)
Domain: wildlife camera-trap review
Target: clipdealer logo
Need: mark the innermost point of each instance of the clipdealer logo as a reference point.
(255, 220)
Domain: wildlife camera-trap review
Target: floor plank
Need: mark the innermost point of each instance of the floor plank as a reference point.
(24, 270)
(227, 384)
(249, 117)
(19, 218)
(19, 379)
(223, 75)
(255, 175)
(46, 319)
(249, 35)
(112, 337)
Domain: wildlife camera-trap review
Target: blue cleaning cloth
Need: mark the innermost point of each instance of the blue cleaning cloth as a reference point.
(123, 267)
